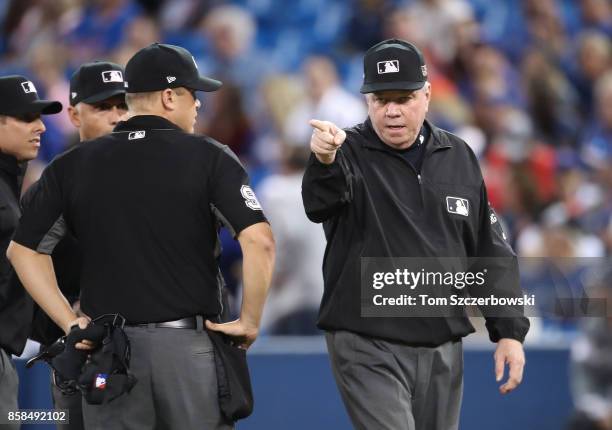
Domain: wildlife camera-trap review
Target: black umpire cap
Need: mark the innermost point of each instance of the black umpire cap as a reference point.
(97, 81)
(393, 64)
(18, 96)
(160, 66)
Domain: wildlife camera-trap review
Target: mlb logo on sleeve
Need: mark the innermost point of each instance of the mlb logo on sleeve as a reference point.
(389, 66)
(28, 87)
(112, 76)
(457, 205)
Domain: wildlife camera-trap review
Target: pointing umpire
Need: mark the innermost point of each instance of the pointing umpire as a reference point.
(145, 210)
(97, 103)
(398, 186)
(20, 134)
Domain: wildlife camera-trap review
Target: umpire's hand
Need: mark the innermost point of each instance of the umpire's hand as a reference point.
(326, 140)
(509, 351)
(242, 334)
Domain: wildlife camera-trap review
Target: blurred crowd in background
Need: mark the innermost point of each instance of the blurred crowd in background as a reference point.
(526, 83)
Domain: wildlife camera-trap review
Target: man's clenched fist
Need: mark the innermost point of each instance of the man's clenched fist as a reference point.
(326, 140)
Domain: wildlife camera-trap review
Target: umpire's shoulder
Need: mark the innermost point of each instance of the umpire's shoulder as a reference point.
(216, 149)
(462, 148)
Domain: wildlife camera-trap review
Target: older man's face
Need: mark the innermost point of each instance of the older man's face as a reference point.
(397, 116)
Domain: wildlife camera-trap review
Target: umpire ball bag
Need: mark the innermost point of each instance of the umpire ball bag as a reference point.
(106, 374)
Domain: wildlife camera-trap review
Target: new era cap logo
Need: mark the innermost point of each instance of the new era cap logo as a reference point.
(28, 87)
(424, 70)
(136, 135)
(170, 79)
(389, 66)
(73, 94)
(457, 205)
(112, 76)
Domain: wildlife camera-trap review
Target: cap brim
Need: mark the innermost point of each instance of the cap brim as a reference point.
(45, 107)
(390, 86)
(103, 96)
(205, 84)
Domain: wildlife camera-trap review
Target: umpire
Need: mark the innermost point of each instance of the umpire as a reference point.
(97, 103)
(398, 186)
(145, 210)
(20, 131)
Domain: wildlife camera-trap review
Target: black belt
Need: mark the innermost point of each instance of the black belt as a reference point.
(189, 322)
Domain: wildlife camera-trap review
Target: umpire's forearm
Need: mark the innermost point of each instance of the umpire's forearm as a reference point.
(36, 273)
(257, 267)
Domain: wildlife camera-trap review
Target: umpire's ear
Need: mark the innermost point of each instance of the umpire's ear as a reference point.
(74, 115)
(169, 99)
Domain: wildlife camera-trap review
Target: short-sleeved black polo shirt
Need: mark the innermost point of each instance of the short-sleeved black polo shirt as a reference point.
(145, 203)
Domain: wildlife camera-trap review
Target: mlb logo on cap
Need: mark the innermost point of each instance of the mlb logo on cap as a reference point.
(391, 66)
(457, 205)
(28, 87)
(112, 76)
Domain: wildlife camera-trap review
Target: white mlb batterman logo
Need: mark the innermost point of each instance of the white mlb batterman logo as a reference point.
(389, 66)
(28, 87)
(112, 76)
(136, 135)
(457, 205)
(249, 198)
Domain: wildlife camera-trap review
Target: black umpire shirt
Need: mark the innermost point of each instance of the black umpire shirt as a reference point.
(145, 203)
(15, 303)
(67, 266)
(374, 203)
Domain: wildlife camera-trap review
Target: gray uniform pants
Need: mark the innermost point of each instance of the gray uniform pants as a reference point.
(71, 402)
(9, 388)
(176, 388)
(391, 386)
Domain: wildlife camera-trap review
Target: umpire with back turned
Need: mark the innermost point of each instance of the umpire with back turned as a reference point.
(398, 186)
(97, 103)
(145, 210)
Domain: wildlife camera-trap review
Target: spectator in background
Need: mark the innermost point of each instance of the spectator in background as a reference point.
(365, 24)
(231, 32)
(594, 58)
(226, 121)
(597, 14)
(29, 21)
(141, 32)
(597, 141)
(297, 283)
(325, 98)
(100, 29)
(552, 101)
(545, 28)
(440, 38)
